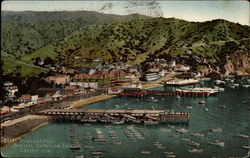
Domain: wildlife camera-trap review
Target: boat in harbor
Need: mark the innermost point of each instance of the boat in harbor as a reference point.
(74, 147)
(145, 152)
(168, 153)
(118, 122)
(96, 153)
(189, 107)
(201, 102)
(222, 106)
(178, 97)
(217, 130)
(182, 130)
(181, 82)
(193, 143)
(246, 146)
(150, 122)
(199, 90)
(243, 135)
(195, 150)
(206, 109)
(185, 139)
(198, 134)
(245, 86)
(217, 142)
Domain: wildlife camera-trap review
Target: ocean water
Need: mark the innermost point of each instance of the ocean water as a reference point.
(53, 140)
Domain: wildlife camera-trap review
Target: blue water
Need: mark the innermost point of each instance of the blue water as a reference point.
(53, 140)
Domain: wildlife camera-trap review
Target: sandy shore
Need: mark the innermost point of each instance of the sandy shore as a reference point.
(82, 102)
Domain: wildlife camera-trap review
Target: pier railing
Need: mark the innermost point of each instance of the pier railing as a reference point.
(102, 115)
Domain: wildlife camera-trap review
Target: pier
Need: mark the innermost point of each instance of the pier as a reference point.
(118, 116)
(166, 93)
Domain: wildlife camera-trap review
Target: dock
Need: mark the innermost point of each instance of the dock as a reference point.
(164, 93)
(117, 116)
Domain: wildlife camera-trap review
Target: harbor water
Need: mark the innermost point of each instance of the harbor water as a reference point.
(228, 110)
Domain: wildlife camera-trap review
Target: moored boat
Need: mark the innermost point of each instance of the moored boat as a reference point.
(193, 143)
(243, 135)
(198, 134)
(145, 152)
(182, 130)
(217, 142)
(217, 130)
(246, 146)
(195, 150)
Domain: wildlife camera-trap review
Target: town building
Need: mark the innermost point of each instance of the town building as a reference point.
(59, 79)
(10, 89)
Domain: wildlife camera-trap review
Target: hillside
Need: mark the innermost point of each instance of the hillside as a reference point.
(122, 38)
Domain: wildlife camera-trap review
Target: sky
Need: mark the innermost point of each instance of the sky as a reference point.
(232, 10)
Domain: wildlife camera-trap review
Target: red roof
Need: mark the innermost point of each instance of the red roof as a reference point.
(24, 97)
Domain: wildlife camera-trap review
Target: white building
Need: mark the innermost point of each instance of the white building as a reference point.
(11, 89)
(85, 84)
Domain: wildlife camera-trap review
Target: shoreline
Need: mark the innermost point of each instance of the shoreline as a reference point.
(74, 104)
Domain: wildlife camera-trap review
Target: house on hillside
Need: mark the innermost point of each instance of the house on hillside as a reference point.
(27, 99)
(10, 89)
(59, 79)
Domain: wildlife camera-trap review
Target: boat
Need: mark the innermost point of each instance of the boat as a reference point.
(182, 130)
(217, 142)
(217, 130)
(243, 135)
(222, 107)
(181, 82)
(136, 121)
(245, 86)
(168, 153)
(96, 153)
(116, 142)
(178, 97)
(195, 150)
(199, 90)
(198, 134)
(75, 147)
(118, 122)
(221, 89)
(79, 156)
(201, 102)
(193, 143)
(246, 146)
(185, 139)
(206, 109)
(189, 107)
(145, 152)
(150, 122)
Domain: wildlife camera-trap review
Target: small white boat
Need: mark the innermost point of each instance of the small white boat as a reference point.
(96, 153)
(217, 142)
(245, 86)
(246, 146)
(118, 122)
(178, 97)
(185, 139)
(217, 130)
(236, 84)
(195, 150)
(222, 106)
(206, 109)
(168, 153)
(201, 102)
(243, 135)
(193, 143)
(189, 107)
(182, 130)
(198, 134)
(221, 89)
(150, 122)
(145, 152)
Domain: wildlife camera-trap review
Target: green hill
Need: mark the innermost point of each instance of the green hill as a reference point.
(118, 38)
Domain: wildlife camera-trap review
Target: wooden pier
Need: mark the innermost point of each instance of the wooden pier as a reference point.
(166, 93)
(118, 116)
